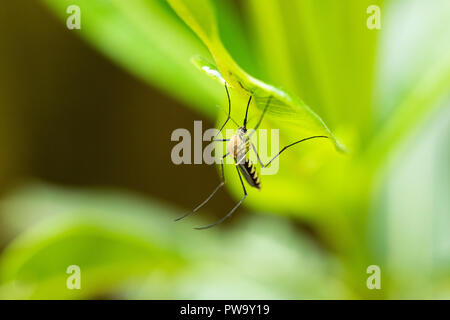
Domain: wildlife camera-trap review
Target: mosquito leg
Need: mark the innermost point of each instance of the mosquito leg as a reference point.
(210, 196)
(232, 210)
(292, 144)
(257, 155)
(246, 112)
(231, 118)
(261, 118)
(229, 112)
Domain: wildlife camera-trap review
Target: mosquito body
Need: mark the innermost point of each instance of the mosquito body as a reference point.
(239, 148)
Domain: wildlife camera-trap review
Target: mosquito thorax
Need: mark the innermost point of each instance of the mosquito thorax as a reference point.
(236, 141)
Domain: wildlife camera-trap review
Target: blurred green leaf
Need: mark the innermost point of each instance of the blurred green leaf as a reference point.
(323, 52)
(208, 68)
(415, 215)
(91, 231)
(409, 90)
(431, 93)
(37, 261)
(199, 16)
(122, 242)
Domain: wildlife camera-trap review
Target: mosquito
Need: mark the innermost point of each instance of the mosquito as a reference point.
(239, 147)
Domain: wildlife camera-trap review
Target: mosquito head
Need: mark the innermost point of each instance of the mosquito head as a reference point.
(242, 130)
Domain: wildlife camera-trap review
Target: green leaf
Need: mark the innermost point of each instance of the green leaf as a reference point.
(208, 68)
(287, 105)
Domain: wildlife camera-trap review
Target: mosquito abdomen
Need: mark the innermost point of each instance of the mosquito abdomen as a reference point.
(248, 169)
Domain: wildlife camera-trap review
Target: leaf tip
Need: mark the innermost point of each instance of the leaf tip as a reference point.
(340, 147)
(208, 68)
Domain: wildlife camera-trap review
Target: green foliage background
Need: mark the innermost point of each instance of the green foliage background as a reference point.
(382, 93)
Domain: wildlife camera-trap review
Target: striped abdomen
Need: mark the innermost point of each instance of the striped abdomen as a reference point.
(249, 172)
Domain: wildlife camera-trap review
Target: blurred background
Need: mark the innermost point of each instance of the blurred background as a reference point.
(87, 179)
